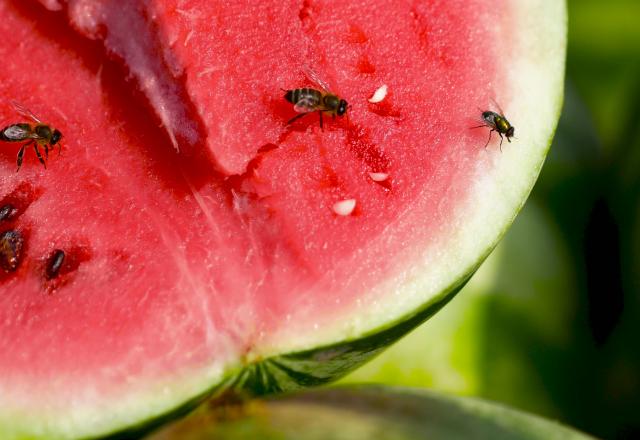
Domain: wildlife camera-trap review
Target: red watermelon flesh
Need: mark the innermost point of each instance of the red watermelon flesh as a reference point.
(182, 266)
(231, 60)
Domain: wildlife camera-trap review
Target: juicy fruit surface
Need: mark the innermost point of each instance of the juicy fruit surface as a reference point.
(231, 60)
(181, 266)
(77, 340)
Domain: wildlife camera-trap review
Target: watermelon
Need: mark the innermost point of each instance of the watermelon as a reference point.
(207, 244)
(358, 412)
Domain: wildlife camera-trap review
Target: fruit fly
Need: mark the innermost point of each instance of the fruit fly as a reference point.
(498, 123)
(308, 100)
(38, 134)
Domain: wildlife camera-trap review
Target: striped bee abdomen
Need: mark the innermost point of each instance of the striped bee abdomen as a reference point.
(311, 97)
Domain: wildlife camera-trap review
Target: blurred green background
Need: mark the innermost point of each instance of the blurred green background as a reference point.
(551, 322)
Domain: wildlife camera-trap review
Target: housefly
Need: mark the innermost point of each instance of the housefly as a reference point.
(497, 122)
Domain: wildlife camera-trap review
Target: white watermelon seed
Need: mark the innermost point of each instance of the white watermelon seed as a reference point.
(379, 94)
(379, 177)
(344, 207)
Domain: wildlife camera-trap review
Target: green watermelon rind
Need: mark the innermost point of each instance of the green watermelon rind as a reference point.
(369, 411)
(309, 368)
(294, 371)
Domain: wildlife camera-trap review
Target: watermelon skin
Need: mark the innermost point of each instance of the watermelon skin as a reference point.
(345, 413)
(287, 354)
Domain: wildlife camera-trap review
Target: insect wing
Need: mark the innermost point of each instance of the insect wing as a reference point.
(305, 105)
(25, 111)
(490, 118)
(314, 77)
(16, 132)
(498, 107)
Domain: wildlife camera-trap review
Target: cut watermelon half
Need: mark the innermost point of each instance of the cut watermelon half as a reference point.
(262, 256)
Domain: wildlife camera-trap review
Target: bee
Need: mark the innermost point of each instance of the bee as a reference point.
(38, 134)
(498, 123)
(308, 100)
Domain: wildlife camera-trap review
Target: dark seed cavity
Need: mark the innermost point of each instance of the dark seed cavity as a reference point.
(11, 244)
(15, 203)
(6, 212)
(365, 66)
(54, 264)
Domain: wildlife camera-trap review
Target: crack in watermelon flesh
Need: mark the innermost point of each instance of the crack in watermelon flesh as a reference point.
(183, 266)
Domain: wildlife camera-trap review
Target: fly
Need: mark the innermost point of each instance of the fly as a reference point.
(498, 123)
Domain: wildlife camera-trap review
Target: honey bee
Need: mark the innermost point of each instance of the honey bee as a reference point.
(308, 100)
(38, 135)
(498, 123)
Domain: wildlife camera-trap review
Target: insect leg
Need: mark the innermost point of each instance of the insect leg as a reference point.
(39, 155)
(489, 140)
(479, 126)
(46, 151)
(501, 139)
(321, 127)
(296, 117)
(21, 155)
